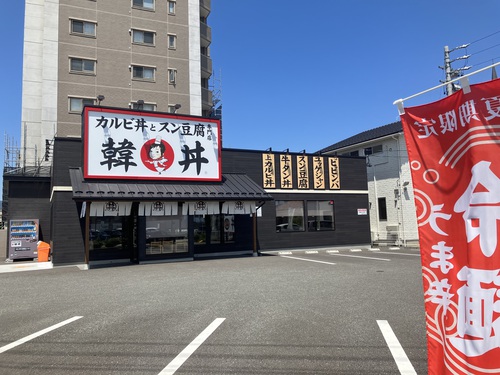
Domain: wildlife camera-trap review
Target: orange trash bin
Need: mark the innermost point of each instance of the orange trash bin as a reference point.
(43, 249)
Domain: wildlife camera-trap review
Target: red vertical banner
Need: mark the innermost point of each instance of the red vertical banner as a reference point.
(454, 154)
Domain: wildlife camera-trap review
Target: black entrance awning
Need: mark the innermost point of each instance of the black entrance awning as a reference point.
(234, 186)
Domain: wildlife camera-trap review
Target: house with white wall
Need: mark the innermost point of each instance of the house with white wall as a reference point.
(391, 200)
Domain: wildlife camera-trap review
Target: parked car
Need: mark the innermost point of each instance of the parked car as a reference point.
(288, 228)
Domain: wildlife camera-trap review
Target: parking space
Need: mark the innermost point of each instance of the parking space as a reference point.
(301, 313)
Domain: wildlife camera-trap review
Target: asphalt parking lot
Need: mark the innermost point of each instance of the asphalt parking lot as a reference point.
(320, 311)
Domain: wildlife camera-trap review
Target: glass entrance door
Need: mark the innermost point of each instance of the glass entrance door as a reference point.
(166, 235)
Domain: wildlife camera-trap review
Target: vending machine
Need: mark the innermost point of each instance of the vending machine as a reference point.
(23, 239)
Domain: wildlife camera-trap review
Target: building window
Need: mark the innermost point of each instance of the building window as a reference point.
(213, 229)
(143, 73)
(320, 215)
(143, 37)
(76, 104)
(77, 65)
(382, 209)
(143, 106)
(144, 4)
(172, 41)
(172, 108)
(373, 150)
(83, 28)
(106, 233)
(172, 76)
(351, 153)
(171, 7)
(289, 216)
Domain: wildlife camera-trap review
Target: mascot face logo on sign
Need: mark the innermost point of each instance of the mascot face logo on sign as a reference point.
(157, 155)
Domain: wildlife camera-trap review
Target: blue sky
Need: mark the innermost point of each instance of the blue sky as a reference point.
(307, 74)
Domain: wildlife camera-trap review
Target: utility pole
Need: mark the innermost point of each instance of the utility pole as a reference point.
(451, 73)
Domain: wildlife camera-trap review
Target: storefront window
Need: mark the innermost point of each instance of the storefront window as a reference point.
(320, 215)
(166, 234)
(289, 216)
(213, 229)
(111, 237)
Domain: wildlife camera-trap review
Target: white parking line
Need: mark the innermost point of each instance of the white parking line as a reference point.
(39, 333)
(361, 257)
(178, 361)
(404, 365)
(307, 260)
(410, 255)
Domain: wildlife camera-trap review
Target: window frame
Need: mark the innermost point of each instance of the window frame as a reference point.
(172, 76)
(141, 78)
(82, 71)
(136, 5)
(82, 33)
(351, 153)
(313, 220)
(382, 208)
(173, 4)
(82, 99)
(135, 106)
(172, 37)
(298, 221)
(377, 149)
(143, 33)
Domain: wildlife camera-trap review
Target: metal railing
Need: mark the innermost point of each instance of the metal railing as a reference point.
(33, 171)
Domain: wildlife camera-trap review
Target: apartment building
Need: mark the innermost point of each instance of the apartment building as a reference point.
(152, 55)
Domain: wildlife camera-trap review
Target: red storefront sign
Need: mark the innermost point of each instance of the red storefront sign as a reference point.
(454, 153)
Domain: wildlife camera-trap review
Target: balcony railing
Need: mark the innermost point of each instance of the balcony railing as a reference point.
(206, 64)
(206, 31)
(205, 7)
(207, 4)
(33, 171)
(206, 97)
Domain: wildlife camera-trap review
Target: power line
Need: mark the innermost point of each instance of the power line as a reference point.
(487, 36)
(486, 49)
(489, 61)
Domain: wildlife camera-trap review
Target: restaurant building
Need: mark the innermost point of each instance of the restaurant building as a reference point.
(148, 186)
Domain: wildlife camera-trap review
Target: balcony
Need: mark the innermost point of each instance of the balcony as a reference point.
(206, 97)
(206, 66)
(29, 171)
(205, 7)
(206, 34)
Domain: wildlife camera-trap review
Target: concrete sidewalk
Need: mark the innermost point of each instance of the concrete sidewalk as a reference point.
(31, 265)
(34, 265)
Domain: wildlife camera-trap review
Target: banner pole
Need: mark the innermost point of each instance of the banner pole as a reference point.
(400, 102)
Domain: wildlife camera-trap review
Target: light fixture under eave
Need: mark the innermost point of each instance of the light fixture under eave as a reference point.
(177, 106)
(100, 98)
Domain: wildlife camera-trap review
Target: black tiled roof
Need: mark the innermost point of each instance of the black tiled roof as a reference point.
(368, 135)
(234, 186)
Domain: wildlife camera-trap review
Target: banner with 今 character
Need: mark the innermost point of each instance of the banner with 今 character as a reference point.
(454, 154)
(127, 144)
